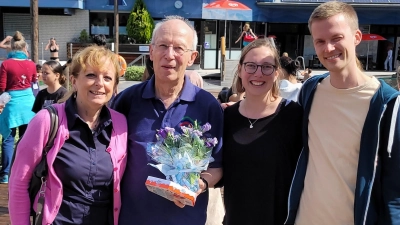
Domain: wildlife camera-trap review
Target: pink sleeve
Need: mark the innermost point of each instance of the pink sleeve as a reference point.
(28, 155)
(3, 78)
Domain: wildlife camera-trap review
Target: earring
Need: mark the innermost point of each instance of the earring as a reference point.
(74, 94)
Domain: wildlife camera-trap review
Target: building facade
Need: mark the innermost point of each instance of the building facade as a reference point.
(285, 20)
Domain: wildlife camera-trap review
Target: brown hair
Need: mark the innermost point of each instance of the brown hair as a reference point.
(57, 68)
(262, 42)
(92, 56)
(333, 8)
(18, 42)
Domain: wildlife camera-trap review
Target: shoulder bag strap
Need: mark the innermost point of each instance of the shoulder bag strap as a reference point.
(52, 134)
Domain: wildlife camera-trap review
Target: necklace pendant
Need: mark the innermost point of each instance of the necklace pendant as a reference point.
(251, 126)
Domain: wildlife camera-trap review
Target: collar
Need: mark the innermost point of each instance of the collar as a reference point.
(73, 116)
(188, 91)
(17, 55)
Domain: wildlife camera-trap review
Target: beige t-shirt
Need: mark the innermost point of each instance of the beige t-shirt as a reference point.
(335, 125)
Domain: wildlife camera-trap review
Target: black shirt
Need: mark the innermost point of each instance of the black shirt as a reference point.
(86, 171)
(259, 164)
(44, 98)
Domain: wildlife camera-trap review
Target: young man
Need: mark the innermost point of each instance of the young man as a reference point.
(168, 99)
(348, 172)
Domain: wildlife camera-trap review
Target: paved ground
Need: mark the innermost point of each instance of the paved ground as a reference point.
(212, 83)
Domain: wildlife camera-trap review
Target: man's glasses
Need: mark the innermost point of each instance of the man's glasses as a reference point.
(266, 69)
(177, 50)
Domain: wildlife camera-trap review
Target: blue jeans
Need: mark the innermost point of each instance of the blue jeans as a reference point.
(8, 149)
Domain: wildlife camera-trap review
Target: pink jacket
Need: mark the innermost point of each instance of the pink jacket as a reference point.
(29, 153)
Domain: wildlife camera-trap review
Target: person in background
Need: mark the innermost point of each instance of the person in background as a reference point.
(66, 74)
(289, 87)
(88, 158)
(54, 48)
(168, 99)
(263, 127)
(348, 171)
(285, 54)
(35, 85)
(100, 40)
(1, 108)
(246, 31)
(16, 75)
(388, 60)
(6, 43)
(53, 77)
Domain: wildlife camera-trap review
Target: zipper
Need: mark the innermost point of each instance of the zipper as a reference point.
(375, 164)
(291, 185)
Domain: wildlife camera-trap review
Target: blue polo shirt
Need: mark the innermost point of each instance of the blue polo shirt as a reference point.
(145, 114)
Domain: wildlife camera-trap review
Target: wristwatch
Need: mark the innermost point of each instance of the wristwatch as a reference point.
(205, 181)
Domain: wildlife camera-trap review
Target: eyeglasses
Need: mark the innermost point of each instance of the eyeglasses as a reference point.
(177, 50)
(266, 69)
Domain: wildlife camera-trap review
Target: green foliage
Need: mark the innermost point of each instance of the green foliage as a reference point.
(134, 73)
(84, 36)
(140, 23)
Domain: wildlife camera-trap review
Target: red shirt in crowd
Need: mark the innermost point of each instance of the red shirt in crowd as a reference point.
(17, 74)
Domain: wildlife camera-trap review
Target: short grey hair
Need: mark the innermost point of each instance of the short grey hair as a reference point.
(176, 17)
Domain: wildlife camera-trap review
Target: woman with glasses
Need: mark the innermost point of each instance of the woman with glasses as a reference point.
(262, 141)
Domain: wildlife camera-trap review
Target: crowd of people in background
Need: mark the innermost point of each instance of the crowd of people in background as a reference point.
(292, 147)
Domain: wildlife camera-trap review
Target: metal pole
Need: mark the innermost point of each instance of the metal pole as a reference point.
(70, 47)
(116, 26)
(35, 30)
(42, 52)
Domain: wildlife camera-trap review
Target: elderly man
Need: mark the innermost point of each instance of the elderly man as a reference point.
(168, 99)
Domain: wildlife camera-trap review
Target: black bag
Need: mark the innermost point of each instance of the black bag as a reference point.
(40, 173)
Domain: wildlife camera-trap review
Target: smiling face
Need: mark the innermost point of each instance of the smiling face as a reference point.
(169, 66)
(95, 85)
(258, 83)
(48, 75)
(335, 43)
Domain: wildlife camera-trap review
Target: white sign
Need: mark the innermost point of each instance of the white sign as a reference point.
(144, 48)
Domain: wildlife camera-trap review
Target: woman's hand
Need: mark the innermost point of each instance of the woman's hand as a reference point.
(1, 108)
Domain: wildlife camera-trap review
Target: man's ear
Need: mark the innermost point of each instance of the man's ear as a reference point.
(151, 52)
(193, 57)
(358, 37)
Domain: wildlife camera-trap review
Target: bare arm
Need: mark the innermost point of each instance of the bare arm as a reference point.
(241, 35)
(251, 32)
(6, 40)
(47, 46)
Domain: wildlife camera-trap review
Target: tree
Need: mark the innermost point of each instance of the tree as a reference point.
(140, 24)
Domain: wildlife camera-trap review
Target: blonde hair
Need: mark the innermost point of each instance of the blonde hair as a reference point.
(262, 42)
(92, 56)
(333, 8)
(18, 42)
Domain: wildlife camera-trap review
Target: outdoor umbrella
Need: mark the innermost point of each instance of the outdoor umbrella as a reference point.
(227, 10)
(371, 37)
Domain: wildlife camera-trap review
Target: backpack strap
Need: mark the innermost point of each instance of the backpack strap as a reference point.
(52, 134)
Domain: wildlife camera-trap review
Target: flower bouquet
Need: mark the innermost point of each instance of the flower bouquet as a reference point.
(181, 158)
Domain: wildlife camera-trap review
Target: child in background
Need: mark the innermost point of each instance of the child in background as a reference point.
(35, 85)
(53, 77)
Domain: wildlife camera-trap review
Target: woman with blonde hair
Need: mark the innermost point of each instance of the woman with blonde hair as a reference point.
(88, 158)
(262, 141)
(247, 35)
(16, 75)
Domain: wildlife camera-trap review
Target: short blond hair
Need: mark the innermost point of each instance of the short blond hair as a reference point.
(262, 42)
(333, 8)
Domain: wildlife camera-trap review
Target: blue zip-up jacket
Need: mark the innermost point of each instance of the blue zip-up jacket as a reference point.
(377, 194)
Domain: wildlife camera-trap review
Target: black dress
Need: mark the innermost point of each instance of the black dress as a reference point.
(259, 164)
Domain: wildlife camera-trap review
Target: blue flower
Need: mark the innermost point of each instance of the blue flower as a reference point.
(162, 133)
